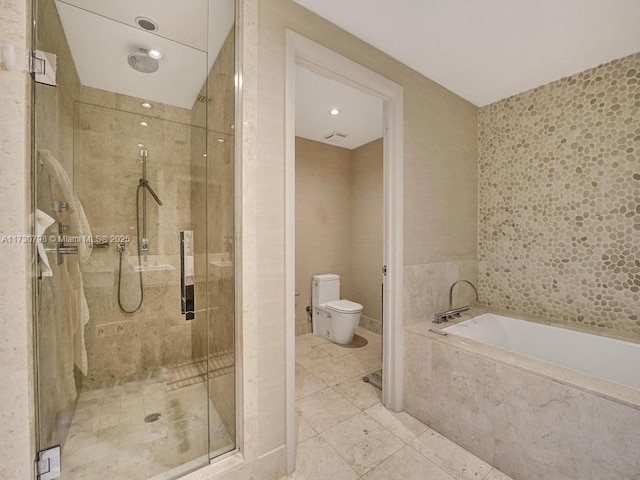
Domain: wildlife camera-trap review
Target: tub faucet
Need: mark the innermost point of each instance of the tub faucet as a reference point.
(454, 312)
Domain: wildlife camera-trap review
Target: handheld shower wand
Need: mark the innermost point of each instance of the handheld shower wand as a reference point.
(143, 241)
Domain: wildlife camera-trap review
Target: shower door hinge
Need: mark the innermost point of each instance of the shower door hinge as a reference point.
(43, 67)
(384, 270)
(48, 464)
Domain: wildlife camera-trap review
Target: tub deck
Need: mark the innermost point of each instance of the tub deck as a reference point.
(530, 418)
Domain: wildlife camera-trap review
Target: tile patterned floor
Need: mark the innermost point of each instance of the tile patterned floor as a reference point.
(109, 437)
(345, 433)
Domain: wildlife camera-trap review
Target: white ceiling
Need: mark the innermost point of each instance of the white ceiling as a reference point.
(361, 115)
(102, 34)
(486, 50)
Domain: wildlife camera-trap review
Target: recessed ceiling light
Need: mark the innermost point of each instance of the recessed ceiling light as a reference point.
(147, 24)
(144, 124)
(334, 112)
(221, 140)
(146, 105)
(155, 54)
(204, 154)
(141, 144)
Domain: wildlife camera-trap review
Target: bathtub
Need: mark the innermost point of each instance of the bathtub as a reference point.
(533, 400)
(615, 360)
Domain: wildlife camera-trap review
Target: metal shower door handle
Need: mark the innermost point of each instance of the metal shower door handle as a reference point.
(187, 283)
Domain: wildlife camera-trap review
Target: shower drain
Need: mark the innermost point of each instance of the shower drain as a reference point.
(152, 417)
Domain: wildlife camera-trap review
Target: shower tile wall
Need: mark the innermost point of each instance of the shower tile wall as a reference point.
(107, 168)
(560, 200)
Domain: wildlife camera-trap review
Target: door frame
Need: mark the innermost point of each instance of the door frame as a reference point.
(325, 62)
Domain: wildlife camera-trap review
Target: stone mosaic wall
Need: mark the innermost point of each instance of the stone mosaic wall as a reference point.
(559, 214)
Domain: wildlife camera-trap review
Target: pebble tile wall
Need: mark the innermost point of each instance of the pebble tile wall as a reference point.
(559, 231)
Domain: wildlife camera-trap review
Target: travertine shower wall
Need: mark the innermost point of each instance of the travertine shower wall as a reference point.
(560, 199)
(107, 166)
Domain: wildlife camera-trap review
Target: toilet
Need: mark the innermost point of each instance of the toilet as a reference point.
(332, 317)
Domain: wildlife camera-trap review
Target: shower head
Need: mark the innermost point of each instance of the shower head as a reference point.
(142, 62)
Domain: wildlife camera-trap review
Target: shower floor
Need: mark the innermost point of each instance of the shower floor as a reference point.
(109, 437)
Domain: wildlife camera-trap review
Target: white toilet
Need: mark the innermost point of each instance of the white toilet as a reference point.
(333, 318)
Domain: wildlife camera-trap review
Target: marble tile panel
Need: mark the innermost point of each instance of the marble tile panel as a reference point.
(335, 350)
(325, 409)
(615, 441)
(543, 429)
(316, 460)
(407, 464)
(310, 356)
(307, 383)
(401, 424)
(362, 362)
(496, 474)
(363, 395)
(463, 399)
(451, 458)
(310, 340)
(337, 370)
(304, 431)
(417, 377)
(362, 442)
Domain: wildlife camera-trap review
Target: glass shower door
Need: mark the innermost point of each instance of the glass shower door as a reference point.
(133, 153)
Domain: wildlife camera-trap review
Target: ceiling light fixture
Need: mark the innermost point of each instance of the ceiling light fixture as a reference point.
(147, 24)
(146, 105)
(144, 124)
(141, 145)
(204, 154)
(334, 112)
(221, 140)
(155, 54)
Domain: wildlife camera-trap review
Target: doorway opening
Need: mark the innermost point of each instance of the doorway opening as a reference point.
(304, 53)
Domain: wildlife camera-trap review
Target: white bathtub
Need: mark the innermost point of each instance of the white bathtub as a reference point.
(607, 358)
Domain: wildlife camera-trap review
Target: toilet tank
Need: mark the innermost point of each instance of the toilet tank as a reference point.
(325, 288)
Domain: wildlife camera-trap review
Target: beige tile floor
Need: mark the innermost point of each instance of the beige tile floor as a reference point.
(109, 438)
(344, 432)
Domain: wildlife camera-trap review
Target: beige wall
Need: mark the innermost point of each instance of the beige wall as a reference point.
(367, 213)
(559, 200)
(440, 189)
(440, 205)
(16, 399)
(339, 224)
(323, 219)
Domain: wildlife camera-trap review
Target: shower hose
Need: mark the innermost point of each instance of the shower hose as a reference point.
(121, 252)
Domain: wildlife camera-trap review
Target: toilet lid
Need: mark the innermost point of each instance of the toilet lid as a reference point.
(344, 306)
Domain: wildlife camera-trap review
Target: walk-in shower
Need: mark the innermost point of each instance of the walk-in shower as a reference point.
(114, 346)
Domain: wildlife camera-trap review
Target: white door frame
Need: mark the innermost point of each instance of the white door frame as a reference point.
(304, 52)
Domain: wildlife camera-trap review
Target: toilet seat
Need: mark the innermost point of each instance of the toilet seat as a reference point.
(344, 306)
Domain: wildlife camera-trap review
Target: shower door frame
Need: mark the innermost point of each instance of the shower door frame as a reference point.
(313, 56)
(232, 459)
